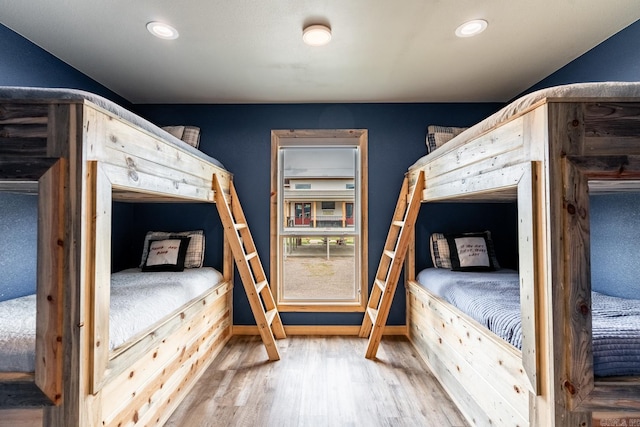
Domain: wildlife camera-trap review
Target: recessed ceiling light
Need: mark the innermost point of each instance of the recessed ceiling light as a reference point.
(471, 28)
(316, 35)
(162, 30)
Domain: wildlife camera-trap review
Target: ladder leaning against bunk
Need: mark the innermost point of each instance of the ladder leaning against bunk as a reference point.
(393, 255)
(250, 268)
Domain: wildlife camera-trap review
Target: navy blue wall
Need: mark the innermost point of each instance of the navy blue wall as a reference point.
(499, 218)
(615, 59)
(25, 64)
(240, 137)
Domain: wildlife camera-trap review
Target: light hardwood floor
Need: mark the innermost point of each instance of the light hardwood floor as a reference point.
(319, 381)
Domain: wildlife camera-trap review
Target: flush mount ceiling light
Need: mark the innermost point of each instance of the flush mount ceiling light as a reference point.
(316, 35)
(471, 28)
(162, 30)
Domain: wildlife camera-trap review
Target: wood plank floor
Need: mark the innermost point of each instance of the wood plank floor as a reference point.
(319, 381)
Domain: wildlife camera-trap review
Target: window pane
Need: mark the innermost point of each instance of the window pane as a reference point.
(319, 268)
(318, 235)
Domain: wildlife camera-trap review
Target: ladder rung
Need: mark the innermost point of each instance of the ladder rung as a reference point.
(389, 271)
(237, 231)
(271, 314)
(260, 285)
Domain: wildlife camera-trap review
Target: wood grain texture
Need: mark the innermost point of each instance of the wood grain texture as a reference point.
(50, 282)
(96, 158)
(482, 373)
(580, 145)
(320, 381)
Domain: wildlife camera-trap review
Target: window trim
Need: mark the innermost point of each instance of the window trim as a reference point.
(359, 138)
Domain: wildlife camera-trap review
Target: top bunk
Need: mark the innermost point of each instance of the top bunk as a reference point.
(485, 161)
(143, 162)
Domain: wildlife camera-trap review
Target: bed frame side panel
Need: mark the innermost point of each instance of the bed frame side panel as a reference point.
(483, 375)
(148, 391)
(143, 167)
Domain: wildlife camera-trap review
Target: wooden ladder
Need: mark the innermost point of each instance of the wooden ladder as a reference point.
(250, 268)
(393, 255)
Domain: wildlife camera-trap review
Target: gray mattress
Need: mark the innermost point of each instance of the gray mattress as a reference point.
(40, 93)
(493, 300)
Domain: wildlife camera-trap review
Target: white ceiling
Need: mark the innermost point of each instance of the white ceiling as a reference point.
(251, 51)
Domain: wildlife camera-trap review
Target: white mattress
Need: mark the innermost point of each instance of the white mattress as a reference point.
(578, 90)
(138, 300)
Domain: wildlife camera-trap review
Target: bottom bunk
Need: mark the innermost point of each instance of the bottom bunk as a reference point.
(482, 373)
(138, 300)
(467, 326)
(165, 328)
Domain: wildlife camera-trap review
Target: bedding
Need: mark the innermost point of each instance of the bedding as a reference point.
(493, 299)
(437, 136)
(138, 300)
(188, 134)
(40, 93)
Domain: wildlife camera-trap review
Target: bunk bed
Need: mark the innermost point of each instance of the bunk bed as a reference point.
(80, 152)
(546, 152)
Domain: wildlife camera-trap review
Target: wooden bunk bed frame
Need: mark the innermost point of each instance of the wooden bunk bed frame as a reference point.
(79, 157)
(548, 157)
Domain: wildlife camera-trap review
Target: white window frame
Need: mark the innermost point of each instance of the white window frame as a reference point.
(353, 137)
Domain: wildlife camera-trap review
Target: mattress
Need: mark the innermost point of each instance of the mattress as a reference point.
(493, 300)
(40, 93)
(138, 300)
(581, 91)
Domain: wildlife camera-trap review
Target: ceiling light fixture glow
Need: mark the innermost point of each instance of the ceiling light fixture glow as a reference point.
(471, 28)
(162, 30)
(316, 35)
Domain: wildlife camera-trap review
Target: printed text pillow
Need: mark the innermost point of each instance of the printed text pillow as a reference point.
(166, 255)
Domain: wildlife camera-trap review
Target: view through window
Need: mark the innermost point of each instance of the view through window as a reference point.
(319, 228)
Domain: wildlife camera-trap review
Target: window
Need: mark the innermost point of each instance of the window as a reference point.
(318, 235)
(303, 186)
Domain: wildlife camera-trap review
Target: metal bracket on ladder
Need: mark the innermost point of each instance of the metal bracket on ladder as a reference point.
(393, 255)
(250, 268)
